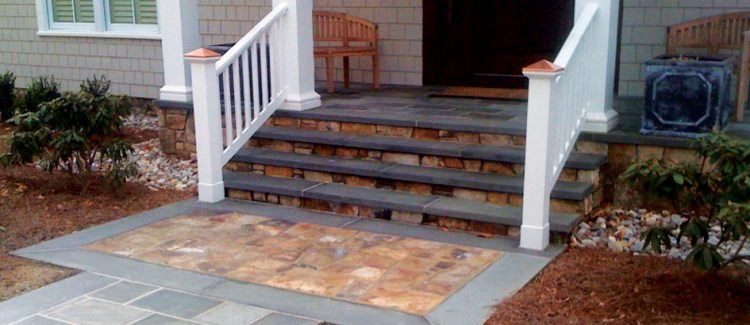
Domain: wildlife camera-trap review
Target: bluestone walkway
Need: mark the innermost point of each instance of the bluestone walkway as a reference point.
(114, 289)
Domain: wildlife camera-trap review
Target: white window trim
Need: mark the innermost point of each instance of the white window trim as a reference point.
(100, 28)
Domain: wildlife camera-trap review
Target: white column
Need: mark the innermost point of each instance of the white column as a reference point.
(538, 167)
(299, 61)
(180, 33)
(602, 117)
(207, 110)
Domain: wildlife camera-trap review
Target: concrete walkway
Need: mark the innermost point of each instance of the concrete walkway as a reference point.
(114, 289)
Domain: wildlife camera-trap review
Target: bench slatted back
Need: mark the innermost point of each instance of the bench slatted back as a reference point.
(722, 32)
(341, 27)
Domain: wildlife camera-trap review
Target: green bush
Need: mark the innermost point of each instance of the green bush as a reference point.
(714, 192)
(39, 91)
(7, 96)
(78, 133)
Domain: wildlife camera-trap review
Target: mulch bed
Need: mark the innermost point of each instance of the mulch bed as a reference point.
(135, 135)
(37, 206)
(584, 286)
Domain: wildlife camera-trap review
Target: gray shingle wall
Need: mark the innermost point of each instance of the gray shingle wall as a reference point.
(644, 28)
(400, 24)
(134, 66)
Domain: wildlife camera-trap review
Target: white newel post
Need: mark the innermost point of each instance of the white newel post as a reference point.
(535, 230)
(299, 60)
(207, 110)
(602, 117)
(180, 33)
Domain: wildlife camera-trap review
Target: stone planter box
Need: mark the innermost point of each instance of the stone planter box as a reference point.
(687, 97)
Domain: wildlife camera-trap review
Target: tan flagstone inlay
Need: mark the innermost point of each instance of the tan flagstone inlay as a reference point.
(404, 274)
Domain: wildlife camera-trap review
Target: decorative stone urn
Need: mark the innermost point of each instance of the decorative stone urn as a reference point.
(687, 96)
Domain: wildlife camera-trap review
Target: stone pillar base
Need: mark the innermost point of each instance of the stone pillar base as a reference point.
(176, 128)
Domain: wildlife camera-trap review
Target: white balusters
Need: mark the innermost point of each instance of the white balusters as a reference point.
(247, 84)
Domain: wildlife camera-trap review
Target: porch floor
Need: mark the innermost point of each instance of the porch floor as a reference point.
(413, 106)
(254, 263)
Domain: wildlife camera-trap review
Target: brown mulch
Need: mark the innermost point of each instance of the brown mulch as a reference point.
(36, 206)
(585, 286)
(136, 135)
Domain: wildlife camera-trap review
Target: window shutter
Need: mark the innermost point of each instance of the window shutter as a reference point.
(121, 11)
(132, 11)
(84, 11)
(62, 11)
(73, 11)
(145, 12)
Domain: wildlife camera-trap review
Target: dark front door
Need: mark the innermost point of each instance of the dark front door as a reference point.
(486, 43)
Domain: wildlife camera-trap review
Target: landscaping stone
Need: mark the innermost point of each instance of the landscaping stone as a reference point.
(622, 231)
(159, 171)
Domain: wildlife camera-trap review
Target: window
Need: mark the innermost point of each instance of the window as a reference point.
(73, 11)
(117, 18)
(132, 11)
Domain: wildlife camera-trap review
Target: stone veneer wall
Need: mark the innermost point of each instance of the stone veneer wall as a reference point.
(644, 28)
(620, 156)
(176, 130)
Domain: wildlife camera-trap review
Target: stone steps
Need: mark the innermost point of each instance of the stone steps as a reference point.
(445, 123)
(496, 189)
(430, 165)
(471, 157)
(386, 204)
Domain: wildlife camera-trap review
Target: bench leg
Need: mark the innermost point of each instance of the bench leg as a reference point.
(375, 72)
(329, 74)
(744, 84)
(346, 72)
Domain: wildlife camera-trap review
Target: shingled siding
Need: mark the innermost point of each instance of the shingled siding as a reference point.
(400, 24)
(134, 66)
(644, 28)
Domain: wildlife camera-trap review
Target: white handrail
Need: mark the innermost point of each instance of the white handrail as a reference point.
(256, 54)
(246, 85)
(560, 95)
(248, 39)
(583, 23)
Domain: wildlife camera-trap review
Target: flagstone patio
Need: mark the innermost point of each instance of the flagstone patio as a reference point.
(281, 261)
(405, 274)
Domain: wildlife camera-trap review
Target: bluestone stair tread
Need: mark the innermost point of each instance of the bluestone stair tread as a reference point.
(507, 215)
(389, 199)
(425, 147)
(428, 118)
(281, 186)
(381, 198)
(420, 174)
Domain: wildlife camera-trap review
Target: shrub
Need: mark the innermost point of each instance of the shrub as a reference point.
(39, 91)
(7, 97)
(78, 133)
(714, 193)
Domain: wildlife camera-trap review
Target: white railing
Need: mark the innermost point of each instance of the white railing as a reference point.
(234, 94)
(252, 83)
(560, 96)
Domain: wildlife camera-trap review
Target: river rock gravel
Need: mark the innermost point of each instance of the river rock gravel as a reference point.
(621, 231)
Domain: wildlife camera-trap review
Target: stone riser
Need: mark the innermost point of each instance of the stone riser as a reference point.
(503, 140)
(483, 228)
(497, 198)
(499, 168)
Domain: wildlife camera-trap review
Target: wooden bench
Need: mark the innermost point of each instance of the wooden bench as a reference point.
(345, 36)
(714, 34)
